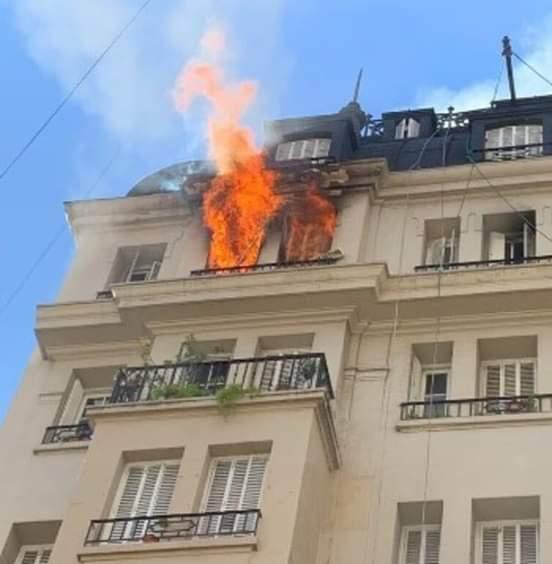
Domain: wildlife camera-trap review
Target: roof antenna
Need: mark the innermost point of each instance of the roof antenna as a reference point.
(507, 54)
(357, 86)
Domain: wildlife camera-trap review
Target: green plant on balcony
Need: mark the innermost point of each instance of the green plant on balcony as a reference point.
(228, 396)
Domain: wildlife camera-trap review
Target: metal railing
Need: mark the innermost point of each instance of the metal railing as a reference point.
(177, 526)
(482, 263)
(264, 266)
(512, 152)
(193, 379)
(67, 433)
(473, 407)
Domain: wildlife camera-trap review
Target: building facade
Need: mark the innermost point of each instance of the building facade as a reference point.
(387, 402)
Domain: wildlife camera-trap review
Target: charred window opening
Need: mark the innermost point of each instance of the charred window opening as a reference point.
(308, 226)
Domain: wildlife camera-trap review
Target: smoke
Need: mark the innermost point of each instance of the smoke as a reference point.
(130, 91)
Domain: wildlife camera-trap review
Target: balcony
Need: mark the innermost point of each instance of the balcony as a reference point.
(474, 264)
(177, 526)
(60, 434)
(474, 407)
(201, 379)
(268, 266)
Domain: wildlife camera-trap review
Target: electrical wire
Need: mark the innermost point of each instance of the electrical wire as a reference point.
(52, 242)
(540, 75)
(497, 85)
(71, 92)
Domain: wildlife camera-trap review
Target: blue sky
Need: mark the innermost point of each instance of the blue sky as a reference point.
(305, 56)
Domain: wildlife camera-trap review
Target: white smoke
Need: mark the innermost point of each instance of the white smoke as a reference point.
(130, 91)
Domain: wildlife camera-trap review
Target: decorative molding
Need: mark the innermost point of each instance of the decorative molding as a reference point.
(58, 448)
(101, 353)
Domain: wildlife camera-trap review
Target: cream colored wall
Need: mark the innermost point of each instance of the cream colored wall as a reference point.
(287, 430)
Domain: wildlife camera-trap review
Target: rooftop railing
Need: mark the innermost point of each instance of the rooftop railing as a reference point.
(177, 526)
(267, 266)
(473, 407)
(192, 379)
(483, 263)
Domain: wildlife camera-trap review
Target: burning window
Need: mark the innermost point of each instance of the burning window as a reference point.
(309, 225)
(303, 149)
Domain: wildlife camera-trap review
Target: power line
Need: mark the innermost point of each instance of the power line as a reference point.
(71, 92)
(540, 75)
(51, 244)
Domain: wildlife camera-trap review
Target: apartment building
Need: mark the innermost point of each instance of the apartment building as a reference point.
(386, 402)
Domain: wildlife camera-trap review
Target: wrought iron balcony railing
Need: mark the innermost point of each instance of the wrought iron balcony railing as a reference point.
(482, 263)
(177, 526)
(473, 407)
(265, 266)
(67, 433)
(189, 379)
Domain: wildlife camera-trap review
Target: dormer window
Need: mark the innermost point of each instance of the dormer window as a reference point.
(406, 128)
(513, 142)
(303, 149)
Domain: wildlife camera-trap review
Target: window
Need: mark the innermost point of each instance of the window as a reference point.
(407, 127)
(435, 390)
(511, 142)
(303, 149)
(138, 264)
(32, 554)
(91, 400)
(420, 544)
(509, 378)
(235, 483)
(510, 237)
(442, 238)
(508, 542)
(145, 489)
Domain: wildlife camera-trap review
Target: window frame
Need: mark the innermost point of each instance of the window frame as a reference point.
(406, 126)
(424, 529)
(91, 394)
(40, 548)
(502, 362)
(480, 525)
(286, 149)
(499, 153)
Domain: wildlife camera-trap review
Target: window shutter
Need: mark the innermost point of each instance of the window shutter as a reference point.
(34, 556)
(528, 544)
(493, 139)
(510, 388)
(323, 149)
(235, 484)
(509, 534)
(413, 547)
(432, 545)
(527, 378)
(309, 148)
(497, 245)
(400, 129)
(165, 490)
(296, 149)
(493, 381)
(489, 546)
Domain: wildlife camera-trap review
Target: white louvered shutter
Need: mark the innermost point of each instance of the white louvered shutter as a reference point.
(509, 387)
(509, 544)
(492, 381)
(235, 484)
(528, 544)
(422, 546)
(527, 378)
(413, 547)
(534, 136)
(147, 491)
(34, 555)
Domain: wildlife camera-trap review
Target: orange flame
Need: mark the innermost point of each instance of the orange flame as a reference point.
(241, 199)
(310, 225)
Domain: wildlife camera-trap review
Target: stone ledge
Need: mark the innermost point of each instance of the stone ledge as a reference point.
(145, 551)
(61, 447)
(476, 422)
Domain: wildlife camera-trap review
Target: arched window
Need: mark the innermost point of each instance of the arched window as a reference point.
(407, 127)
(303, 149)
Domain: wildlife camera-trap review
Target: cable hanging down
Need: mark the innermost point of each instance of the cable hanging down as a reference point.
(532, 68)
